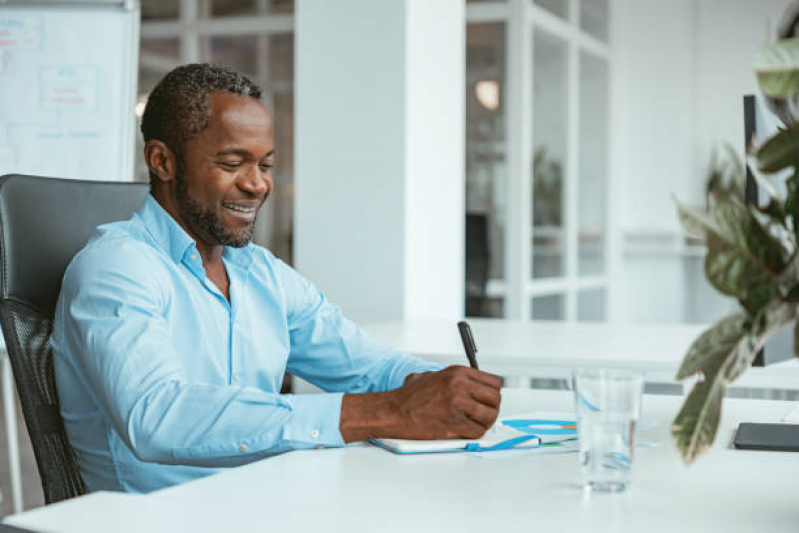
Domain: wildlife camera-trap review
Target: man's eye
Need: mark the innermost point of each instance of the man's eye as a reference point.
(230, 164)
(266, 166)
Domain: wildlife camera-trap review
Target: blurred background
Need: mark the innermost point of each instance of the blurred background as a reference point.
(568, 125)
(622, 104)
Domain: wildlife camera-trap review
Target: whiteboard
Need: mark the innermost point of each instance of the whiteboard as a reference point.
(67, 89)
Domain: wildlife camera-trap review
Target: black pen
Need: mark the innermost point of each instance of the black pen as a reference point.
(468, 343)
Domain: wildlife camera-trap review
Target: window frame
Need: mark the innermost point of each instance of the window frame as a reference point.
(522, 18)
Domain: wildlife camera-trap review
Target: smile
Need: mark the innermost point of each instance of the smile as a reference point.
(240, 208)
(244, 213)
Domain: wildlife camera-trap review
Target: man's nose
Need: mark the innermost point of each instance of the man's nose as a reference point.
(256, 182)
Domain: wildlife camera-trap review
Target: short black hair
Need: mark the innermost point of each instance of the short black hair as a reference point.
(178, 108)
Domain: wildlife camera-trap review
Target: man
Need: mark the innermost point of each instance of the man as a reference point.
(172, 332)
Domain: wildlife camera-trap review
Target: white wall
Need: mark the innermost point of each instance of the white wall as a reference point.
(379, 155)
(681, 69)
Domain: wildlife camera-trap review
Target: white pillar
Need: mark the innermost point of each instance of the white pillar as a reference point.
(379, 155)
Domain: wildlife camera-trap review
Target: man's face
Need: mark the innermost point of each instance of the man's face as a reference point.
(227, 172)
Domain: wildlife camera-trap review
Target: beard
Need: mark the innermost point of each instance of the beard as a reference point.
(206, 223)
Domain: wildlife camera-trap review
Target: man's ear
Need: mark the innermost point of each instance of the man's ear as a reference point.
(160, 160)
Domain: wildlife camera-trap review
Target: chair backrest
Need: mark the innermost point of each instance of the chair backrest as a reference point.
(44, 222)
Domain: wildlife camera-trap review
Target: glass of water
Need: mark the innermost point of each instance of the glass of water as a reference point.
(608, 405)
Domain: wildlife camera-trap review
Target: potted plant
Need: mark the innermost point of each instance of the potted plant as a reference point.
(752, 254)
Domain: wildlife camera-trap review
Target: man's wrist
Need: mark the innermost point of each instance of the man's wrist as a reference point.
(410, 378)
(367, 416)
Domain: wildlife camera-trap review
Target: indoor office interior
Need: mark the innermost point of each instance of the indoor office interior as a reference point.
(520, 164)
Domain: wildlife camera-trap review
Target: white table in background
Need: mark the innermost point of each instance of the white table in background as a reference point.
(366, 489)
(545, 349)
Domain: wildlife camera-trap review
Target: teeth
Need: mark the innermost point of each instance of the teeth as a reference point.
(239, 208)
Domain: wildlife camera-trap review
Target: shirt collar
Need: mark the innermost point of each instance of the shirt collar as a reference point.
(173, 239)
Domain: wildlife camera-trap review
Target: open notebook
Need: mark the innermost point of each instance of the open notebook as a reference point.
(526, 431)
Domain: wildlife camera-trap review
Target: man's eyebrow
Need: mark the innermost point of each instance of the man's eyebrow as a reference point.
(242, 152)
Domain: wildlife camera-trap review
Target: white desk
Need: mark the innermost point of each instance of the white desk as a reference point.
(368, 489)
(551, 349)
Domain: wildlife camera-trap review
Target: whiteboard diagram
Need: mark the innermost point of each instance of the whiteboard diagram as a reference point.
(67, 84)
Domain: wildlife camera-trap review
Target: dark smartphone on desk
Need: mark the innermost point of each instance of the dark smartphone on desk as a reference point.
(774, 437)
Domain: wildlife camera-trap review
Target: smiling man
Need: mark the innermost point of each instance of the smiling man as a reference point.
(173, 332)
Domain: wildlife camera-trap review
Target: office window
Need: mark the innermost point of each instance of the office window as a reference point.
(591, 305)
(254, 37)
(485, 135)
(159, 10)
(546, 193)
(556, 7)
(223, 8)
(549, 307)
(592, 184)
(594, 18)
(550, 145)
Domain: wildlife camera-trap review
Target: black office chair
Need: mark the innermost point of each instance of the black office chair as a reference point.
(44, 222)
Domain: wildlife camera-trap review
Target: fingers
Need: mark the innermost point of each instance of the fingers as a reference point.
(482, 414)
(490, 380)
(486, 395)
(482, 386)
(472, 429)
(486, 378)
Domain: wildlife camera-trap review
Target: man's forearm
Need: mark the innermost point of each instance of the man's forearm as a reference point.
(457, 402)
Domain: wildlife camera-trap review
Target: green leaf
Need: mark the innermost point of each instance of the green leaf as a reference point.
(775, 209)
(788, 280)
(696, 222)
(780, 151)
(777, 230)
(695, 426)
(742, 260)
(796, 339)
(777, 68)
(744, 257)
(763, 180)
(773, 317)
(793, 295)
(792, 203)
(714, 344)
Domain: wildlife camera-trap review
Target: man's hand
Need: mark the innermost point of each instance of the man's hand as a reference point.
(457, 402)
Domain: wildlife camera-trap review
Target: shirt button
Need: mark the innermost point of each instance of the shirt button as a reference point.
(320, 447)
(244, 448)
(193, 257)
(315, 433)
(236, 377)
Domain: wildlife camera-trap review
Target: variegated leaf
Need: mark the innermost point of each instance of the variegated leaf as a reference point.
(780, 151)
(796, 339)
(695, 426)
(777, 68)
(743, 260)
(773, 317)
(695, 221)
(714, 345)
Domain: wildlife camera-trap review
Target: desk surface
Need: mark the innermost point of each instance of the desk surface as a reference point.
(362, 488)
(552, 349)
(508, 344)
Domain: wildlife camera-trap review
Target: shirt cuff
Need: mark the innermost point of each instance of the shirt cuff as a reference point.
(315, 420)
(411, 365)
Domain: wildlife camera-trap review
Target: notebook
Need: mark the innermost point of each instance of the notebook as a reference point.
(526, 431)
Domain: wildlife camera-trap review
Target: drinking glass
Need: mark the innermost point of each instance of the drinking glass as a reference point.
(608, 405)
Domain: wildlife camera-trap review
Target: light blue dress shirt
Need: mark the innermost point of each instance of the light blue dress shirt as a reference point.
(162, 380)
